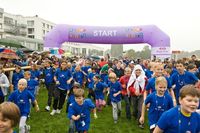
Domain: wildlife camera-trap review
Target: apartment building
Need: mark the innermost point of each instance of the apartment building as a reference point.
(29, 31)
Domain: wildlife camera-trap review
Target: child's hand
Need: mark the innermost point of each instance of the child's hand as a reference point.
(123, 85)
(66, 97)
(37, 108)
(95, 116)
(141, 120)
(115, 94)
(57, 82)
(174, 102)
(68, 81)
(137, 93)
(77, 117)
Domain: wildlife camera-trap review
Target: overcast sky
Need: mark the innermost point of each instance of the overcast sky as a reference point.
(180, 19)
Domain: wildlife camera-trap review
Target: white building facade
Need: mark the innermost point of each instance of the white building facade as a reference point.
(84, 49)
(29, 31)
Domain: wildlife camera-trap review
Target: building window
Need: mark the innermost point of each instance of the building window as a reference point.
(1, 26)
(30, 23)
(1, 36)
(31, 36)
(84, 51)
(43, 25)
(43, 31)
(1, 15)
(30, 30)
(47, 26)
(51, 27)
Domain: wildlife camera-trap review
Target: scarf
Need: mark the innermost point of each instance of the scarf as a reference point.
(139, 82)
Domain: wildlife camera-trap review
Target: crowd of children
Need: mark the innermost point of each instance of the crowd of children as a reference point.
(168, 92)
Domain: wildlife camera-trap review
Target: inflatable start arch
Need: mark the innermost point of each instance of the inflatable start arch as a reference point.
(151, 34)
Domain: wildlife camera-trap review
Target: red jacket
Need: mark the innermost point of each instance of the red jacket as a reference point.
(132, 89)
(124, 81)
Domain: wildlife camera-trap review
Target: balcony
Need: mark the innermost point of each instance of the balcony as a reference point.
(9, 23)
(8, 30)
(23, 33)
(22, 25)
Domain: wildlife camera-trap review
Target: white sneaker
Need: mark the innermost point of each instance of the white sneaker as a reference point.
(47, 108)
(58, 111)
(53, 112)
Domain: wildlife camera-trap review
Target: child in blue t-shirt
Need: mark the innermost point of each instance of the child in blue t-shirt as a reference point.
(78, 75)
(79, 111)
(90, 82)
(31, 83)
(159, 102)
(183, 118)
(9, 117)
(99, 89)
(21, 98)
(115, 96)
(70, 97)
(182, 78)
(48, 73)
(70, 100)
(17, 75)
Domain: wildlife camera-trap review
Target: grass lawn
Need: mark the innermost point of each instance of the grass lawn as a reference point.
(42, 122)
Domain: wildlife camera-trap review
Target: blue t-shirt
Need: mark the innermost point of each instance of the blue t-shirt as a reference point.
(84, 111)
(114, 88)
(21, 99)
(62, 76)
(148, 73)
(31, 85)
(98, 90)
(158, 105)
(151, 84)
(71, 99)
(48, 75)
(104, 77)
(16, 77)
(85, 68)
(181, 80)
(173, 121)
(35, 74)
(90, 77)
(78, 76)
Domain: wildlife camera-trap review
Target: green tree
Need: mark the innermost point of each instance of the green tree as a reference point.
(145, 53)
(130, 54)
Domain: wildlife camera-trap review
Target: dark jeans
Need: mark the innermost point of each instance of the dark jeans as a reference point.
(71, 126)
(91, 94)
(137, 106)
(2, 99)
(59, 98)
(50, 88)
(128, 106)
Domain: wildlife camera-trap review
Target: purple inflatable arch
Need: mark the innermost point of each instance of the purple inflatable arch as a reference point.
(151, 34)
